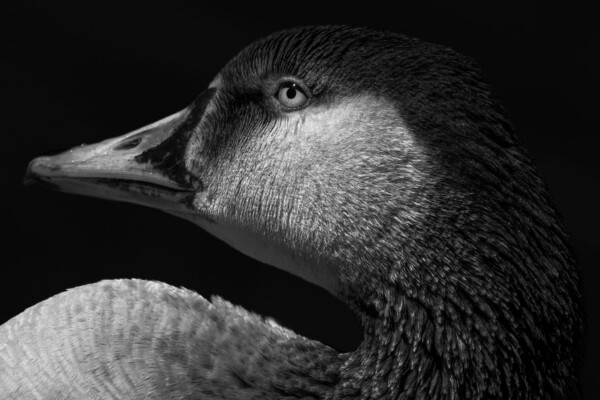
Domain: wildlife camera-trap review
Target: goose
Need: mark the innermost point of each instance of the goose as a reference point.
(377, 166)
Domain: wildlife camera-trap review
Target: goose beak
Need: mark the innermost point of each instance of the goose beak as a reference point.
(146, 166)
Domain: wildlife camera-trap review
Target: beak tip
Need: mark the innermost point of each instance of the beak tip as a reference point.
(30, 176)
(38, 173)
(34, 172)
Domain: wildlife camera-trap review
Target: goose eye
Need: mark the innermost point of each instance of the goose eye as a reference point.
(290, 95)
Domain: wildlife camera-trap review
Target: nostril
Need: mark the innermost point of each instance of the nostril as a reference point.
(129, 144)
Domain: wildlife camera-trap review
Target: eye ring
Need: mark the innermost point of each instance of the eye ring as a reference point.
(291, 96)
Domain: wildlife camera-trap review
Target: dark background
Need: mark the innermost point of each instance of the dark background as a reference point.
(81, 73)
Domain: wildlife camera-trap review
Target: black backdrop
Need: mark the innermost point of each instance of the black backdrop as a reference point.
(74, 73)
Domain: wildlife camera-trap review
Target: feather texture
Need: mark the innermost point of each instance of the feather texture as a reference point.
(134, 339)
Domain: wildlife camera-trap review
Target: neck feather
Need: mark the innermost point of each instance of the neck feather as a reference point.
(455, 318)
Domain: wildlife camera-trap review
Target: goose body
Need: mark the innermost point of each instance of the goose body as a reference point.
(376, 166)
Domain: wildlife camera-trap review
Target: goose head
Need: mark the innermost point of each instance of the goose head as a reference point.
(382, 169)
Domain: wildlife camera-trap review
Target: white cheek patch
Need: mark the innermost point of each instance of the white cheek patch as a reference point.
(351, 163)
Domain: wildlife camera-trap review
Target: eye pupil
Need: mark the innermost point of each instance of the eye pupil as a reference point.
(291, 93)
